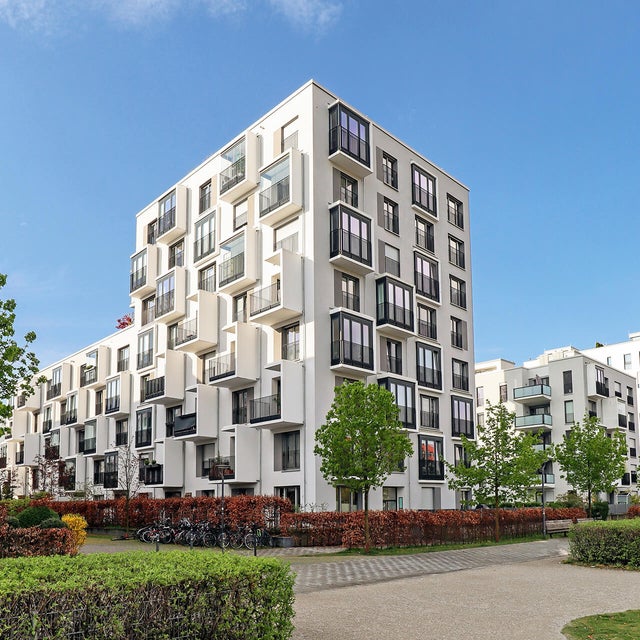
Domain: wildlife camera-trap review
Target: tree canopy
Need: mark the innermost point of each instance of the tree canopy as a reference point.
(18, 365)
(590, 459)
(500, 466)
(362, 440)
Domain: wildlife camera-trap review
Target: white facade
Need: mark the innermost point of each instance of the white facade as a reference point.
(314, 247)
(555, 390)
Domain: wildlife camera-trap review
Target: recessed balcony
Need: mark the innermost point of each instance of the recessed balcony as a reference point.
(200, 425)
(144, 271)
(282, 300)
(281, 188)
(536, 422)
(242, 448)
(172, 220)
(237, 267)
(169, 387)
(532, 394)
(281, 409)
(239, 174)
(201, 332)
(118, 404)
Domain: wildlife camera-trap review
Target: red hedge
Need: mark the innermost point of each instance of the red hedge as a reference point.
(413, 528)
(634, 511)
(261, 510)
(34, 541)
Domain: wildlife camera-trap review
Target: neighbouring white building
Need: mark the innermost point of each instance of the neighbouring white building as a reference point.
(550, 393)
(311, 249)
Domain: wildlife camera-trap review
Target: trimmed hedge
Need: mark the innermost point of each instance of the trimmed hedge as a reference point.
(415, 528)
(34, 541)
(238, 510)
(615, 542)
(142, 595)
(634, 511)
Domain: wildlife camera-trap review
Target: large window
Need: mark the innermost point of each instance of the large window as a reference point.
(113, 396)
(350, 234)
(424, 235)
(176, 254)
(391, 262)
(122, 432)
(389, 170)
(234, 161)
(429, 412)
(290, 342)
(461, 417)
(458, 333)
(403, 393)
(567, 381)
(349, 292)
(458, 292)
(207, 278)
(123, 359)
(232, 266)
(427, 325)
(348, 133)
(456, 252)
(148, 310)
(454, 212)
(393, 356)
(431, 458)
(143, 428)
(351, 341)
(286, 448)
(460, 375)
(349, 190)
(205, 233)
(274, 186)
(205, 196)
(428, 366)
(394, 304)
(390, 217)
(165, 295)
(424, 189)
(138, 276)
(240, 401)
(167, 213)
(426, 277)
(145, 349)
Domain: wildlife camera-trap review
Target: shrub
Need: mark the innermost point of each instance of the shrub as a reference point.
(33, 516)
(53, 523)
(78, 526)
(12, 521)
(17, 543)
(600, 510)
(616, 542)
(634, 511)
(102, 596)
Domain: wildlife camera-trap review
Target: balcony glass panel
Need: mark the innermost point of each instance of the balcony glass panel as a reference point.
(531, 390)
(265, 408)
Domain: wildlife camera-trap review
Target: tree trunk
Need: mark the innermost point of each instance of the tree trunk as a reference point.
(367, 536)
(589, 501)
(496, 516)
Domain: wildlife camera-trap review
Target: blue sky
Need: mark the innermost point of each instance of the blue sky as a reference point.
(534, 106)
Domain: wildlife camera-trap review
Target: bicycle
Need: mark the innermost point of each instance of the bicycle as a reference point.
(259, 537)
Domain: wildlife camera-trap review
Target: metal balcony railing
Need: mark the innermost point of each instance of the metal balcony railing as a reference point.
(428, 329)
(351, 353)
(137, 279)
(427, 286)
(430, 419)
(389, 176)
(222, 366)
(274, 196)
(154, 388)
(424, 199)
(349, 244)
(351, 301)
(186, 331)
(425, 239)
(389, 313)
(167, 221)
(165, 303)
(112, 404)
(231, 269)
(185, 425)
(88, 376)
(429, 377)
(341, 139)
(265, 408)
(265, 299)
(602, 389)
(232, 175)
(54, 390)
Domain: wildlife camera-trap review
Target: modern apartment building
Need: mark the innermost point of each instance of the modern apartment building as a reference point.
(552, 392)
(311, 249)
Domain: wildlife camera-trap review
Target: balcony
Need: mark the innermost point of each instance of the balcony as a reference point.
(30, 403)
(202, 424)
(199, 333)
(532, 394)
(348, 250)
(238, 367)
(282, 300)
(223, 466)
(350, 357)
(283, 409)
(19, 457)
(69, 417)
(142, 279)
(265, 409)
(153, 474)
(237, 268)
(167, 388)
(548, 478)
(88, 376)
(537, 422)
(394, 320)
(54, 390)
(172, 222)
(281, 199)
(349, 147)
(239, 176)
(170, 304)
(184, 425)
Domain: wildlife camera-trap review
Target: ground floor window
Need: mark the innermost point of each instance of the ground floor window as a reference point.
(347, 500)
(292, 494)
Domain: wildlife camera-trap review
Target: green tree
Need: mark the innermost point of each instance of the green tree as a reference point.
(18, 365)
(501, 465)
(362, 441)
(590, 460)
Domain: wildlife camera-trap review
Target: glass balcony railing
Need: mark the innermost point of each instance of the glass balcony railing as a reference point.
(274, 196)
(540, 419)
(265, 299)
(232, 175)
(531, 390)
(231, 269)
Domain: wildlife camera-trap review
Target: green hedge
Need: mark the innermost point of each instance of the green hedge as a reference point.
(616, 542)
(146, 595)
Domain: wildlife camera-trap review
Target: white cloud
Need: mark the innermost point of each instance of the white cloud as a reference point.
(51, 15)
(309, 14)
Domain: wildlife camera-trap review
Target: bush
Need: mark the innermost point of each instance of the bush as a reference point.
(103, 596)
(53, 523)
(616, 542)
(12, 521)
(634, 511)
(33, 516)
(600, 510)
(78, 525)
(17, 543)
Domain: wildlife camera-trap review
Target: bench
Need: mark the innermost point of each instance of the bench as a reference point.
(562, 526)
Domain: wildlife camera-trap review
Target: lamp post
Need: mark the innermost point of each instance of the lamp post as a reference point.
(222, 466)
(544, 515)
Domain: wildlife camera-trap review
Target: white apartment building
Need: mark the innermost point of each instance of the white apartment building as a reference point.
(311, 249)
(552, 392)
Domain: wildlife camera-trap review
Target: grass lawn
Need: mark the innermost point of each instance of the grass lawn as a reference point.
(605, 626)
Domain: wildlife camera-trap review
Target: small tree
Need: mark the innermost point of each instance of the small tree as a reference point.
(128, 473)
(18, 365)
(51, 471)
(590, 460)
(362, 441)
(502, 464)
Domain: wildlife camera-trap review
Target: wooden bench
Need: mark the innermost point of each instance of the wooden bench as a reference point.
(563, 526)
